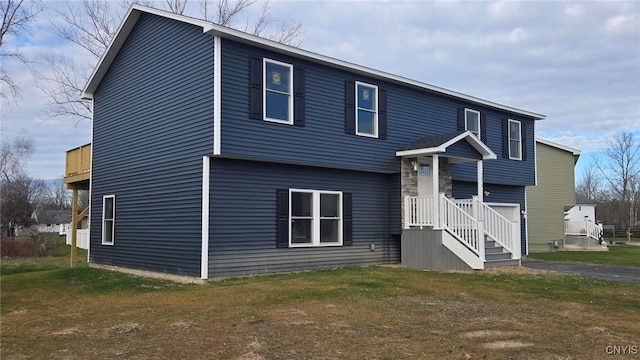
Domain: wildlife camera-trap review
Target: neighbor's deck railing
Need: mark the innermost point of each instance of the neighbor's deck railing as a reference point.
(585, 228)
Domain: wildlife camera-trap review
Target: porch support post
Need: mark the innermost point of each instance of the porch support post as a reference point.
(480, 179)
(74, 226)
(435, 176)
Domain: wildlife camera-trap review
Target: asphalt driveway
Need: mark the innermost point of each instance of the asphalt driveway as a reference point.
(625, 274)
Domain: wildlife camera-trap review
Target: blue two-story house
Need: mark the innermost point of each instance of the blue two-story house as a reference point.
(218, 153)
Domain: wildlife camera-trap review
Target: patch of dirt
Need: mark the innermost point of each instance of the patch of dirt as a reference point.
(183, 324)
(488, 333)
(18, 312)
(506, 344)
(69, 331)
(126, 328)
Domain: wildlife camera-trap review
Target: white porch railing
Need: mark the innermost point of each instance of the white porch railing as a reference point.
(419, 211)
(585, 228)
(462, 225)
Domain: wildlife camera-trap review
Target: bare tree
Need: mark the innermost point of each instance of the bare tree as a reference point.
(622, 174)
(19, 194)
(13, 156)
(92, 24)
(589, 186)
(17, 16)
(56, 196)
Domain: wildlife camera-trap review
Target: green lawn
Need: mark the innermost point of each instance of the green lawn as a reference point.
(51, 311)
(622, 255)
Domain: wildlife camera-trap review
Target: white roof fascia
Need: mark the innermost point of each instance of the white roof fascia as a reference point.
(415, 152)
(224, 32)
(473, 140)
(556, 145)
(487, 154)
(351, 67)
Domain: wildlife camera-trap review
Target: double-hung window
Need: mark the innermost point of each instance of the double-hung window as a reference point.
(472, 121)
(278, 91)
(515, 140)
(315, 218)
(366, 109)
(108, 219)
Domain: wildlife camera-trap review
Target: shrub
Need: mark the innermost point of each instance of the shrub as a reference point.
(32, 246)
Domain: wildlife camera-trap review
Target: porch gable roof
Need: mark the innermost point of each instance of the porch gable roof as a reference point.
(438, 144)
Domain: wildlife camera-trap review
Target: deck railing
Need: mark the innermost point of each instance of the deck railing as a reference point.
(585, 228)
(78, 164)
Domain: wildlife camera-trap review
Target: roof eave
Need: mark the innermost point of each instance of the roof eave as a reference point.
(121, 35)
(216, 30)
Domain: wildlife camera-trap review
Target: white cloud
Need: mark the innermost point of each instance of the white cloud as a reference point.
(576, 62)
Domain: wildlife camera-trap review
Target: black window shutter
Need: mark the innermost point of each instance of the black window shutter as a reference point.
(523, 140)
(282, 218)
(483, 128)
(350, 107)
(382, 114)
(347, 219)
(298, 100)
(255, 88)
(505, 138)
(461, 120)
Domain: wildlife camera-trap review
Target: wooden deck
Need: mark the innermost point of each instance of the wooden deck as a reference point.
(78, 167)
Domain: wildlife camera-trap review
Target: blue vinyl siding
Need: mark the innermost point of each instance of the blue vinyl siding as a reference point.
(463, 149)
(502, 171)
(243, 218)
(498, 194)
(153, 122)
(411, 114)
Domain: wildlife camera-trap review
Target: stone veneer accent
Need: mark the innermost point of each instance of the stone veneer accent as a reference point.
(409, 179)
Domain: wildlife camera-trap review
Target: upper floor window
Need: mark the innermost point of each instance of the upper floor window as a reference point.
(315, 218)
(108, 219)
(366, 109)
(515, 140)
(472, 121)
(278, 91)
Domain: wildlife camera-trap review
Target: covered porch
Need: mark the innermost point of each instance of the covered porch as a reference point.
(469, 232)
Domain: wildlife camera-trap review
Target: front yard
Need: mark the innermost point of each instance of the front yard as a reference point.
(49, 311)
(622, 255)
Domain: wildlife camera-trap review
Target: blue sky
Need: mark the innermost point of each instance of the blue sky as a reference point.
(578, 63)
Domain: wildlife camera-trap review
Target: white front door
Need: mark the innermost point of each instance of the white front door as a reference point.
(425, 177)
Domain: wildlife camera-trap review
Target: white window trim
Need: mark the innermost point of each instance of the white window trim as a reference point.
(466, 126)
(519, 157)
(315, 234)
(113, 220)
(375, 112)
(264, 91)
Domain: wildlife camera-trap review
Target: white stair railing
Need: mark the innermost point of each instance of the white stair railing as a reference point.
(462, 225)
(497, 228)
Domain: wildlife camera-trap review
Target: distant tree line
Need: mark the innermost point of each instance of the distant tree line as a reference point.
(612, 181)
(22, 195)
